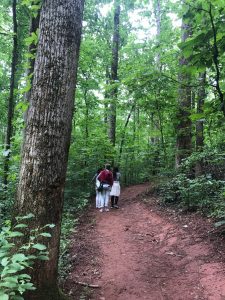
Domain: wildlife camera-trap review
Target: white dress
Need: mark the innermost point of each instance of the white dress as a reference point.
(115, 191)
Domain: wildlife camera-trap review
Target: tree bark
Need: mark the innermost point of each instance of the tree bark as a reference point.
(114, 74)
(11, 94)
(106, 96)
(184, 135)
(48, 129)
(200, 104)
(199, 123)
(124, 132)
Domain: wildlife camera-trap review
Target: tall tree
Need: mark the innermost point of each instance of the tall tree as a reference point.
(114, 73)
(48, 130)
(184, 145)
(199, 123)
(11, 99)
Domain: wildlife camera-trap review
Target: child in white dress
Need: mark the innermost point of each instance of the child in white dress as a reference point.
(115, 191)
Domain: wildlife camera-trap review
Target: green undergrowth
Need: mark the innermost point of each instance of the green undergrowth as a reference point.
(72, 212)
(204, 193)
(16, 258)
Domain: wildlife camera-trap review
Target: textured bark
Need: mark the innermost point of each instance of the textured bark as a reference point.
(106, 96)
(200, 104)
(114, 74)
(48, 130)
(124, 132)
(184, 144)
(199, 123)
(11, 95)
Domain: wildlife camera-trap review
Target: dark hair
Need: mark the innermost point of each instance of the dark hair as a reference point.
(107, 166)
(115, 170)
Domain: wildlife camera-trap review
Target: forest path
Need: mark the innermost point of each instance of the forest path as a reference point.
(143, 252)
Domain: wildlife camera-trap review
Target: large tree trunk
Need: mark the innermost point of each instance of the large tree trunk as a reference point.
(11, 95)
(114, 74)
(48, 130)
(184, 145)
(199, 124)
(200, 103)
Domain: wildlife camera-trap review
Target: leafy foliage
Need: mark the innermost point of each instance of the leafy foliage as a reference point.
(15, 261)
(205, 192)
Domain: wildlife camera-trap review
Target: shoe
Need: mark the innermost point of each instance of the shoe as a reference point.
(116, 206)
(101, 210)
(106, 209)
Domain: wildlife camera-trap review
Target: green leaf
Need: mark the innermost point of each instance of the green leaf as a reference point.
(4, 296)
(196, 117)
(16, 297)
(42, 257)
(19, 257)
(49, 225)
(28, 286)
(12, 268)
(11, 279)
(39, 247)
(24, 276)
(9, 285)
(15, 234)
(7, 246)
(21, 226)
(5, 261)
(45, 234)
(220, 223)
(29, 216)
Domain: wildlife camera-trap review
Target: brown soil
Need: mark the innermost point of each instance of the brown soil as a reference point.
(144, 251)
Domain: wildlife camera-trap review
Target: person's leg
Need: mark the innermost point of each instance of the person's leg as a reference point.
(112, 201)
(107, 195)
(101, 200)
(97, 199)
(116, 202)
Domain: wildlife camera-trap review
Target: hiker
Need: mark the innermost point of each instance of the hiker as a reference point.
(97, 185)
(115, 191)
(106, 181)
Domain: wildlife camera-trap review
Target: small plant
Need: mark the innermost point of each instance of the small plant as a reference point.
(14, 260)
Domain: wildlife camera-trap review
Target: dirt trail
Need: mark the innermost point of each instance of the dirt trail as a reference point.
(141, 252)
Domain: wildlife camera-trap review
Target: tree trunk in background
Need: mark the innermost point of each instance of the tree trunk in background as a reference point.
(184, 145)
(106, 96)
(124, 132)
(158, 18)
(34, 25)
(199, 124)
(48, 130)
(114, 74)
(11, 95)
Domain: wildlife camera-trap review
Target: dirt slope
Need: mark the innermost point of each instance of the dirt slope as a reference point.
(142, 252)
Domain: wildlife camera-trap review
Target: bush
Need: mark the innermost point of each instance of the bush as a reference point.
(202, 193)
(15, 260)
